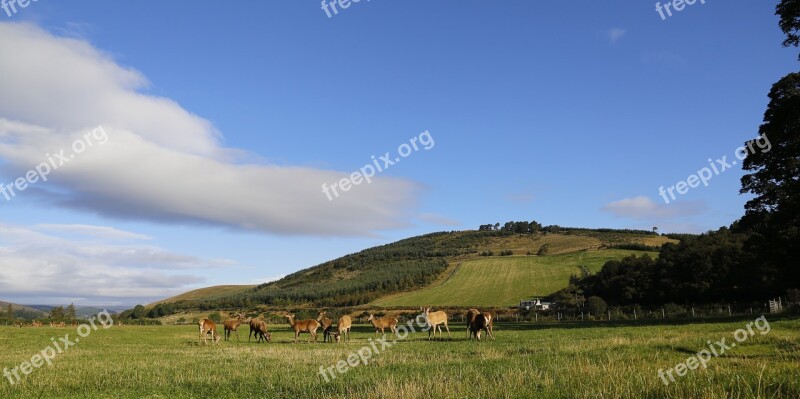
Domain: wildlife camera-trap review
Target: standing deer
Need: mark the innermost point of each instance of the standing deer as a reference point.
(489, 324)
(382, 323)
(434, 319)
(232, 325)
(327, 326)
(303, 326)
(470, 319)
(343, 327)
(208, 327)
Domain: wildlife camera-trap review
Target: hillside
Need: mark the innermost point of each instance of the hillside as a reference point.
(407, 266)
(504, 281)
(18, 309)
(207, 293)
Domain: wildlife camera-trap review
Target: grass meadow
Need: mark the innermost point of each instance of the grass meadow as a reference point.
(592, 360)
(478, 283)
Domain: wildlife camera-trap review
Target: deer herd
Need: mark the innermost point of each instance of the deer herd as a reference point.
(477, 323)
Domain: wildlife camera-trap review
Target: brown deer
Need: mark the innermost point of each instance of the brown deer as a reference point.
(232, 325)
(259, 328)
(479, 324)
(254, 324)
(343, 327)
(382, 323)
(208, 327)
(327, 326)
(489, 324)
(434, 319)
(303, 326)
(470, 318)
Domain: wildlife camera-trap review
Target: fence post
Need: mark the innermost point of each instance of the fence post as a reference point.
(634, 314)
(663, 315)
(693, 312)
(609, 315)
(729, 310)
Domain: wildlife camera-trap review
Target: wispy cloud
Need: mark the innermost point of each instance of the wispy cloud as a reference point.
(93, 231)
(161, 162)
(645, 208)
(614, 34)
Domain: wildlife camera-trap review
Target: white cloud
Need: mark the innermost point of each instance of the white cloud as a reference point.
(51, 269)
(645, 208)
(614, 34)
(161, 162)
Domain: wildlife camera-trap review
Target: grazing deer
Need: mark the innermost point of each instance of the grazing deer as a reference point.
(254, 324)
(336, 336)
(208, 327)
(343, 327)
(232, 325)
(303, 326)
(382, 323)
(479, 324)
(434, 319)
(471, 318)
(259, 328)
(327, 326)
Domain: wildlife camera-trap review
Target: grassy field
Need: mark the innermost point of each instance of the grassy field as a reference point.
(503, 281)
(525, 361)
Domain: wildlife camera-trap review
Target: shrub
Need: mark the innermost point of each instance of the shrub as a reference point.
(543, 250)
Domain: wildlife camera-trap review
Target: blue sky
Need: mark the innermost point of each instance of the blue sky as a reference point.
(224, 119)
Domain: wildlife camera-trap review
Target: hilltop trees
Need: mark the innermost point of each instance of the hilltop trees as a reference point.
(512, 227)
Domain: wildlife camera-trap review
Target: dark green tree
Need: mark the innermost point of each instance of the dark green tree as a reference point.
(57, 313)
(70, 312)
(596, 305)
(139, 312)
(789, 12)
(773, 177)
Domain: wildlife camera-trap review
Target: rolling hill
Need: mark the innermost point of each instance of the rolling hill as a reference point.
(30, 312)
(504, 281)
(207, 293)
(402, 271)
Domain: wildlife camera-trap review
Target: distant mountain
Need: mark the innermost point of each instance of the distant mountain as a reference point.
(82, 312)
